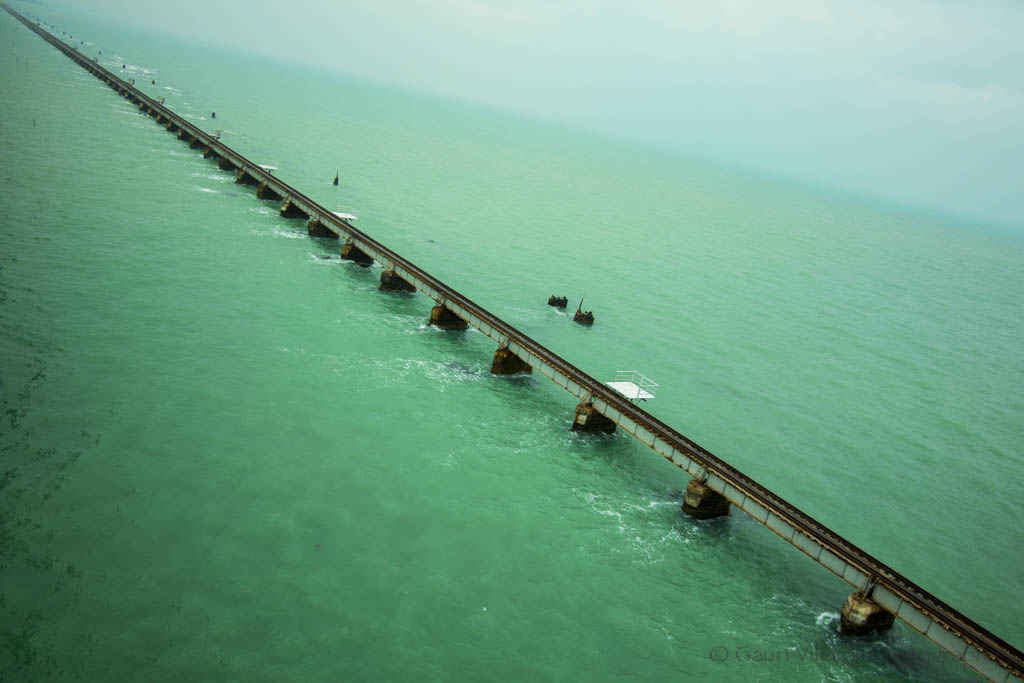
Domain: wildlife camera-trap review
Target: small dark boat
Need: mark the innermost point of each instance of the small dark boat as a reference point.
(213, 114)
(583, 317)
(336, 178)
(558, 301)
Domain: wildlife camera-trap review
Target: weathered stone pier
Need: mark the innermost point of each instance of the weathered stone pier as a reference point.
(245, 177)
(507, 363)
(266, 191)
(703, 502)
(318, 229)
(445, 318)
(292, 210)
(589, 419)
(861, 615)
(390, 281)
(351, 252)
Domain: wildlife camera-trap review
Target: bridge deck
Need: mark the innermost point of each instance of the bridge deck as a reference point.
(966, 640)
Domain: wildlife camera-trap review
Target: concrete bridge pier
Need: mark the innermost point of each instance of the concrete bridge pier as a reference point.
(243, 178)
(443, 317)
(390, 281)
(589, 421)
(226, 165)
(184, 135)
(700, 501)
(264, 191)
(861, 615)
(196, 143)
(318, 229)
(172, 127)
(507, 363)
(208, 153)
(289, 210)
(350, 252)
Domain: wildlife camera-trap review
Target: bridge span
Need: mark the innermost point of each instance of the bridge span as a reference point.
(880, 593)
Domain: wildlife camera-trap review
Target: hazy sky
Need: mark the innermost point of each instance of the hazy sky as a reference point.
(922, 101)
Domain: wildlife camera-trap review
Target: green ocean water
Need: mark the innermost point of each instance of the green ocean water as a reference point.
(226, 457)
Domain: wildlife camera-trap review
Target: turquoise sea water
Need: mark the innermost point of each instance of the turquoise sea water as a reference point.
(225, 457)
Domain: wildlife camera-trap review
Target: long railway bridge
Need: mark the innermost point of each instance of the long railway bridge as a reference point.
(880, 593)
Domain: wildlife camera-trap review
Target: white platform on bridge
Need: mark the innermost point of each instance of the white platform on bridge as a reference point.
(630, 390)
(633, 385)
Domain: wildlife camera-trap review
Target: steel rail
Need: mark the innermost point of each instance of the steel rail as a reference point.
(1005, 655)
